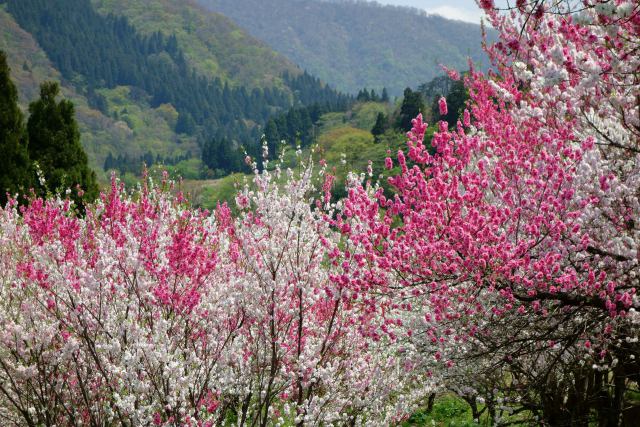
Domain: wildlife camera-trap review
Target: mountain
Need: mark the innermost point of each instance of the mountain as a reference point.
(101, 133)
(153, 80)
(356, 44)
(211, 42)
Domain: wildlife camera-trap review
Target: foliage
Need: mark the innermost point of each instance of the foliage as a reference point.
(412, 105)
(98, 52)
(15, 174)
(356, 44)
(365, 96)
(380, 126)
(455, 93)
(221, 157)
(211, 43)
(342, 139)
(124, 164)
(363, 115)
(118, 55)
(54, 144)
(299, 126)
(447, 411)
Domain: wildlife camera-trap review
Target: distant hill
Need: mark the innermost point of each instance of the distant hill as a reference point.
(153, 80)
(356, 44)
(211, 42)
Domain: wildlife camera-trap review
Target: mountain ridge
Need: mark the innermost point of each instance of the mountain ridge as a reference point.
(352, 45)
(212, 43)
(122, 113)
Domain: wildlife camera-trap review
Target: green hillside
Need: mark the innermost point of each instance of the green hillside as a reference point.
(141, 129)
(343, 139)
(211, 42)
(153, 81)
(348, 141)
(356, 44)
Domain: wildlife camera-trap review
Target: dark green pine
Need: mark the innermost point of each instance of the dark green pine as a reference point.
(54, 143)
(15, 171)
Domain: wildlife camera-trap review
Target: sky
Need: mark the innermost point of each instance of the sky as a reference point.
(464, 10)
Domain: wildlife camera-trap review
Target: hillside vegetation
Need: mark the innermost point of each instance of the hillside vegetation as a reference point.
(101, 133)
(211, 42)
(156, 87)
(358, 44)
(343, 140)
(353, 141)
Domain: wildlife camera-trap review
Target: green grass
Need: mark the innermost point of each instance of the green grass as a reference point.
(448, 411)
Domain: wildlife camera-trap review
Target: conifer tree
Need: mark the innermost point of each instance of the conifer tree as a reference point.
(381, 125)
(456, 99)
(412, 105)
(385, 95)
(272, 137)
(15, 172)
(185, 124)
(54, 143)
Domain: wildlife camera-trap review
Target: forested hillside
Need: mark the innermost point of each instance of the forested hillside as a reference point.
(211, 42)
(358, 44)
(125, 73)
(101, 134)
(349, 141)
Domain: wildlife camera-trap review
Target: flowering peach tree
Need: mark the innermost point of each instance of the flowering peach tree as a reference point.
(148, 312)
(518, 240)
(301, 340)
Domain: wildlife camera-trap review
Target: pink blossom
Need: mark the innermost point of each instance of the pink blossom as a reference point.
(442, 104)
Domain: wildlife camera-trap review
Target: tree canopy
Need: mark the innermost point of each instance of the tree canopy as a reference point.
(54, 143)
(15, 170)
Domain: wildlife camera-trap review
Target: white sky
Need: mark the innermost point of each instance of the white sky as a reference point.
(463, 10)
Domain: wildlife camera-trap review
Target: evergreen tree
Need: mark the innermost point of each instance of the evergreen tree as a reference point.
(185, 124)
(385, 95)
(412, 105)
(306, 129)
(273, 137)
(435, 88)
(109, 162)
(54, 143)
(381, 125)
(15, 170)
(456, 99)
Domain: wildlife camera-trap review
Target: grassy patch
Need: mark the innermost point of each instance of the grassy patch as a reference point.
(448, 411)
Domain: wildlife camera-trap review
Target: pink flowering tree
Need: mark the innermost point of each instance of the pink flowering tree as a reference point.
(148, 312)
(518, 240)
(113, 318)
